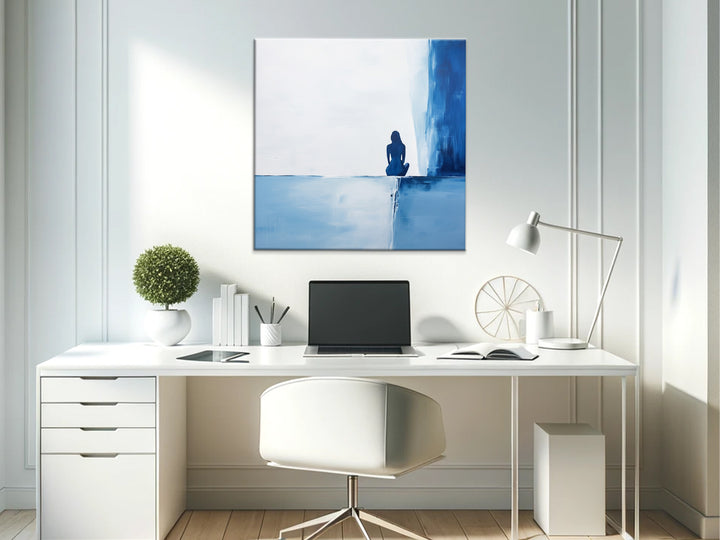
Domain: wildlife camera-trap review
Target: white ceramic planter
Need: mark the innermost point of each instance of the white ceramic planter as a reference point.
(167, 326)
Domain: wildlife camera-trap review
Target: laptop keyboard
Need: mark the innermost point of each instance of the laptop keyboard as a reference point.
(334, 349)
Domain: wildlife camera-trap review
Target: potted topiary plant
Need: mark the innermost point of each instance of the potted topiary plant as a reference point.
(166, 275)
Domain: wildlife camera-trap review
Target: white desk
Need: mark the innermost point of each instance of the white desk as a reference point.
(109, 361)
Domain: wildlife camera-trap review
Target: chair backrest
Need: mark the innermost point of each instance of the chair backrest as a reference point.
(349, 426)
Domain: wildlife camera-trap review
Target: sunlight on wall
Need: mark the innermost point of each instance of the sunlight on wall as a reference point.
(183, 146)
(187, 147)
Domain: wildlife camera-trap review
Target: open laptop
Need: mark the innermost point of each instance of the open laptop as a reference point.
(359, 318)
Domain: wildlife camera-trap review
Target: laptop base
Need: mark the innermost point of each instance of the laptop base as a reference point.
(348, 351)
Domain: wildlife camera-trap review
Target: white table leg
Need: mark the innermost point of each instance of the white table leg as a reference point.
(514, 458)
(636, 532)
(621, 527)
(623, 505)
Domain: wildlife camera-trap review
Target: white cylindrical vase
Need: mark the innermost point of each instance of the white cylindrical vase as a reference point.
(167, 326)
(538, 325)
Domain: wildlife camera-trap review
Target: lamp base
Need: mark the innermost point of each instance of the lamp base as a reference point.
(562, 343)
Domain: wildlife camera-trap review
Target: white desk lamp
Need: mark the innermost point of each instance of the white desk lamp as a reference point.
(527, 237)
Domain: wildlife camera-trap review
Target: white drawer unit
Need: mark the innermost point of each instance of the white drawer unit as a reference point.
(98, 389)
(97, 432)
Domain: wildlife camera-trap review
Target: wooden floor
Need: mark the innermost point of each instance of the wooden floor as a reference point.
(18, 524)
(436, 524)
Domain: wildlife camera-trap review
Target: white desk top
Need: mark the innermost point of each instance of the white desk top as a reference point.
(144, 359)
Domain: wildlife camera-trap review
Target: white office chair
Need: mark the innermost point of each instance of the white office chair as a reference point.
(354, 427)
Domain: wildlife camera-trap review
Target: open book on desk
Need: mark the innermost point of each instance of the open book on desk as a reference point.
(490, 351)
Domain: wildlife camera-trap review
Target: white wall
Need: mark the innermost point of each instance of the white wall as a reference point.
(690, 266)
(140, 131)
(2, 255)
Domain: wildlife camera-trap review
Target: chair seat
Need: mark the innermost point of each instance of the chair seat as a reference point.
(349, 426)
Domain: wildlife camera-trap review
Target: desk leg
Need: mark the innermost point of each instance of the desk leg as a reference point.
(623, 460)
(514, 458)
(622, 526)
(636, 533)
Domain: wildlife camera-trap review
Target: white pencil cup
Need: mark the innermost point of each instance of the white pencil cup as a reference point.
(538, 325)
(270, 335)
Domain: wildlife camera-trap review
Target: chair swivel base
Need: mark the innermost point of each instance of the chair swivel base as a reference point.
(351, 512)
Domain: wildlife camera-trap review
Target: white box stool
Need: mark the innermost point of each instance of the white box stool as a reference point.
(569, 470)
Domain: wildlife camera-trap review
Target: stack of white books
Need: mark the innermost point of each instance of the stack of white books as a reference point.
(231, 317)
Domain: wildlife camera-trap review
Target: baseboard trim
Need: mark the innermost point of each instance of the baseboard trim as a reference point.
(372, 497)
(17, 498)
(702, 525)
(315, 498)
(416, 497)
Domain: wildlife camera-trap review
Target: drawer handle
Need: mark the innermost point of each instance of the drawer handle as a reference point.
(98, 429)
(99, 378)
(99, 455)
(99, 404)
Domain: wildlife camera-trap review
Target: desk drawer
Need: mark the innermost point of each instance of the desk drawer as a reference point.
(97, 441)
(110, 415)
(97, 497)
(83, 390)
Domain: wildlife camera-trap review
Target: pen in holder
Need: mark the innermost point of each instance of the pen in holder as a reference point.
(271, 332)
(270, 335)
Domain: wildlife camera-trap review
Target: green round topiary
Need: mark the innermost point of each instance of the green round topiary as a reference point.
(166, 275)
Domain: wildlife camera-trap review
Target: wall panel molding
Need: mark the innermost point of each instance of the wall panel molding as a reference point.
(15, 264)
(639, 235)
(91, 119)
(17, 498)
(51, 214)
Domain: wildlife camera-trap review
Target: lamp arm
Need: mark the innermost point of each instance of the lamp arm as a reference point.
(605, 285)
(581, 231)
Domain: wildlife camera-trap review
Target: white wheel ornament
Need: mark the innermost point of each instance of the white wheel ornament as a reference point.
(500, 307)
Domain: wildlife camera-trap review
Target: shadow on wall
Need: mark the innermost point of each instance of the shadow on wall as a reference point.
(435, 329)
(687, 471)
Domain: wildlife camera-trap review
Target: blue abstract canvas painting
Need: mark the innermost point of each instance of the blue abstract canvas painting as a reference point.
(360, 144)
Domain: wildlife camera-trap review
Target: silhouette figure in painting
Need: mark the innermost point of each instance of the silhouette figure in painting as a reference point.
(396, 156)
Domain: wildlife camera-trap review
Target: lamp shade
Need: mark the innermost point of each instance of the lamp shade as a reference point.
(526, 235)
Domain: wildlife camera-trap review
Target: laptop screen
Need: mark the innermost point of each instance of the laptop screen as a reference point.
(359, 313)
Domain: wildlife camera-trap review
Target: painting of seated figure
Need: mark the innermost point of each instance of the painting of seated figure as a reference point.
(359, 144)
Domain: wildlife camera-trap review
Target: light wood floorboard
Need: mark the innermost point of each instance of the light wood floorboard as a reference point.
(479, 524)
(275, 520)
(207, 525)
(436, 524)
(676, 529)
(441, 524)
(245, 524)
(649, 528)
(527, 528)
(407, 519)
(17, 524)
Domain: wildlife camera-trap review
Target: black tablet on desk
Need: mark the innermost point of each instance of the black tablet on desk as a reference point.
(215, 356)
